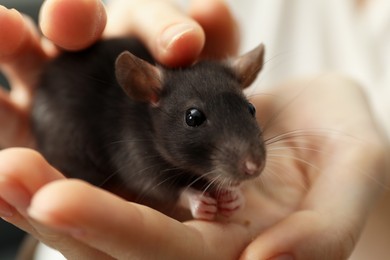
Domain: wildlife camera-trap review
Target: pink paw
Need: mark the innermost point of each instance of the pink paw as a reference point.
(201, 205)
(230, 201)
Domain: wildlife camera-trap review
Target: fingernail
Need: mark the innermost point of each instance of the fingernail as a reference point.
(101, 18)
(173, 33)
(14, 194)
(8, 12)
(282, 257)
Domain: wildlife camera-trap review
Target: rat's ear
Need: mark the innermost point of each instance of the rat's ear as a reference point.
(248, 65)
(139, 79)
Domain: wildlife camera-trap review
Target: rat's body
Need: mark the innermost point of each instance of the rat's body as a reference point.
(151, 144)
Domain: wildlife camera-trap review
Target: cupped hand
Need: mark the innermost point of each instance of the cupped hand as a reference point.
(173, 37)
(326, 166)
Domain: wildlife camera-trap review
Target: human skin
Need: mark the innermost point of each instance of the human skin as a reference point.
(74, 24)
(311, 201)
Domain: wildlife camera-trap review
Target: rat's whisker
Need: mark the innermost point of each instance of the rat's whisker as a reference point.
(295, 158)
(281, 148)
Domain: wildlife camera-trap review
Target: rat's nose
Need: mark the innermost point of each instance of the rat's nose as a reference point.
(250, 167)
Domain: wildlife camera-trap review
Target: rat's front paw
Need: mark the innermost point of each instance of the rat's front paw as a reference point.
(201, 205)
(204, 206)
(229, 201)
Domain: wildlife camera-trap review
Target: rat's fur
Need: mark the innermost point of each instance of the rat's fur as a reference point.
(87, 127)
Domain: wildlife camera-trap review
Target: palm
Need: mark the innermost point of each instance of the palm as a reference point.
(313, 133)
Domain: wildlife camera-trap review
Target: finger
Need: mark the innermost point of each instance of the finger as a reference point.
(14, 32)
(173, 38)
(304, 235)
(22, 173)
(20, 222)
(72, 24)
(69, 247)
(219, 25)
(5, 209)
(126, 230)
(21, 55)
(353, 169)
(15, 128)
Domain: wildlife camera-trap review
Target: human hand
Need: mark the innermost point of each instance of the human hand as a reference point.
(326, 165)
(23, 54)
(75, 25)
(269, 215)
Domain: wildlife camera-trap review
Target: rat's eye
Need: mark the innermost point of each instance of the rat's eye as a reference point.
(194, 117)
(252, 109)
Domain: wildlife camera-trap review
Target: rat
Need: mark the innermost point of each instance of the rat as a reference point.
(169, 138)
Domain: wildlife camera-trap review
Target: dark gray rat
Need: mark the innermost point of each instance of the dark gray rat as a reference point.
(167, 138)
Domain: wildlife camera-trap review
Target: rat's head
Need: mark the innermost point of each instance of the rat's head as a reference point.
(202, 121)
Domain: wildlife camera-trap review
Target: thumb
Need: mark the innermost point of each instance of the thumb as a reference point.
(304, 235)
(173, 38)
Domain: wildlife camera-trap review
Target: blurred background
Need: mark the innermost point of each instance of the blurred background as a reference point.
(11, 237)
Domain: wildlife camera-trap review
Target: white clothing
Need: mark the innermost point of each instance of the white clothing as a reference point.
(307, 37)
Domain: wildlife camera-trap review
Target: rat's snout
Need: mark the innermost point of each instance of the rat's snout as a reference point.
(242, 156)
(251, 168)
